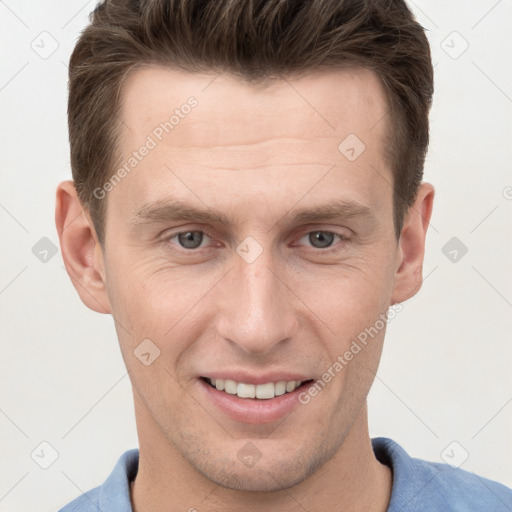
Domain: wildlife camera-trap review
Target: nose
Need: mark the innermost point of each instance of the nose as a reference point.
(256, 305)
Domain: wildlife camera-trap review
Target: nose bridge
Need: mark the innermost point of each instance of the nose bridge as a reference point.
(256, 313)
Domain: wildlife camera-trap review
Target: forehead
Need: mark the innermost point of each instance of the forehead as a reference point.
(208, 130)
(327, 103)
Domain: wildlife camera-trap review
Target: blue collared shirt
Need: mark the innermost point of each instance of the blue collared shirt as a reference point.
(418, 486)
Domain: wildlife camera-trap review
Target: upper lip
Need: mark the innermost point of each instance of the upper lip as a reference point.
(260, 378)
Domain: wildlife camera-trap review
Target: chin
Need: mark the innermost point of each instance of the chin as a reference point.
(257, 480)
(265, 475)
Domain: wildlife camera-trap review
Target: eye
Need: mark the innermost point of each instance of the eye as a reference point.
(193, 239)
(323, 239)
(188, 239)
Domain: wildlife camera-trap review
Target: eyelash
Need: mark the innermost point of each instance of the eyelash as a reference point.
(328, 250)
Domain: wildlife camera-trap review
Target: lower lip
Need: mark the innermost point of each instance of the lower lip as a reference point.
(253, 410)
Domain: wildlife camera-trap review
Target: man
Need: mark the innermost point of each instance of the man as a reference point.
(247, 202)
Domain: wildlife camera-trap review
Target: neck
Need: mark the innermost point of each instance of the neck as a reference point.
(352, 478)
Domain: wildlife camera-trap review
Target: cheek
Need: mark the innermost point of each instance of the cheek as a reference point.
(165, 306)
(349, 299)
(354, 309)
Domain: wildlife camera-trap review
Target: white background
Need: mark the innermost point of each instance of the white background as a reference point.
(445, 371)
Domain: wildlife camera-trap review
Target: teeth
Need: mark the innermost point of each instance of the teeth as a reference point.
(246, 390)
(265, 391)
(230, 386)
(280, 388)
(260, 391)
(290, 386)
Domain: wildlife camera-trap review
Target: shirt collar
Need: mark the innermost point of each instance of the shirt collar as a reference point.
(115, 491)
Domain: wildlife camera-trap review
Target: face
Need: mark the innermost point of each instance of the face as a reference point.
(251, 244)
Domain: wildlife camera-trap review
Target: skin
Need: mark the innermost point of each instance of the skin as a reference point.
(254, 153)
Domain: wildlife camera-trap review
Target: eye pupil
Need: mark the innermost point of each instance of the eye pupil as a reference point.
(190, 239)
(323, 237)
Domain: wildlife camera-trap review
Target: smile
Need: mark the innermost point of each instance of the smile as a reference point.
(254, 399)
(260, 391)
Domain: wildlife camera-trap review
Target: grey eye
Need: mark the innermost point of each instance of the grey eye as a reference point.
(323, 238)
(190, 239)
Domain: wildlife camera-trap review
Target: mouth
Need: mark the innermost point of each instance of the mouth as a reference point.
(265, 391)
(251, 403)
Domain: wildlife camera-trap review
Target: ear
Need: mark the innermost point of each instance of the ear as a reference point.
(81, 251)
(411, 246)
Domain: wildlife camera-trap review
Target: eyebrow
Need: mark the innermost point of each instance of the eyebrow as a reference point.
(174, 209)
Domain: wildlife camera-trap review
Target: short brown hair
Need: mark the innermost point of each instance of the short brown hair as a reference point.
(257, 41)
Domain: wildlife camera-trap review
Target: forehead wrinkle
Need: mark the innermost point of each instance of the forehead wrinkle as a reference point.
(265, 141)
(293, 152)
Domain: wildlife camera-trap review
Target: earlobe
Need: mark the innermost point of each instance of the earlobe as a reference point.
(81, 251)
(411, 250)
